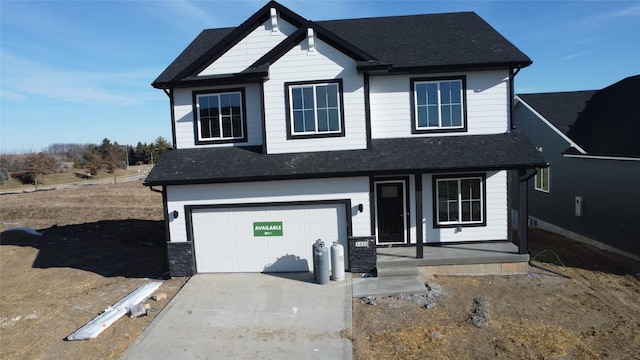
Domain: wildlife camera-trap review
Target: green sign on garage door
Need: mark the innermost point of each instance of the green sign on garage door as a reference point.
(273, 228)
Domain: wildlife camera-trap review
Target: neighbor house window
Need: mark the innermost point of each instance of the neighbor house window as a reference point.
(542, 179)
(459, 201)
(220, 116)
(438, 105)
(315, 109)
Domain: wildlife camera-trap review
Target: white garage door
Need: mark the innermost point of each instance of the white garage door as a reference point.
(264, 239)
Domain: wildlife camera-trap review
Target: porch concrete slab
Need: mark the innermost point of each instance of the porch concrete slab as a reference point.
(454, 254)
(379, 286)
(251, 316)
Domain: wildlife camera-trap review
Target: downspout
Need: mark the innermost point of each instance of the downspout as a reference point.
(510, 126)
(169, 93)
(367, 109)
(263, 118)
(512, 95)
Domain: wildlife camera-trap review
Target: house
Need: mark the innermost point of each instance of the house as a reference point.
(287, 130)
(591, 140)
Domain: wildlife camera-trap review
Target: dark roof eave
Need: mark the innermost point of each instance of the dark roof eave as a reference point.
(378, 69)
(227, 79)
(322, 175)
(571, 151)
(374, 67)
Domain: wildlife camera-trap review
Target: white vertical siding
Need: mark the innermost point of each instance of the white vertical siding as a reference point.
(250, 49)
(325, 64)
(185, 118)
(496, 227)
(487, 104)
(356, 189)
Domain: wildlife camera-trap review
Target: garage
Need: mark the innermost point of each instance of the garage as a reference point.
(273, 238)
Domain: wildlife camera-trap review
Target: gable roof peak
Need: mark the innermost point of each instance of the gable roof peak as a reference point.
(458, 41)
(231, 38)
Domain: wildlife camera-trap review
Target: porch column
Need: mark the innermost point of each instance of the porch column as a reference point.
(523, 212)
(419, 235)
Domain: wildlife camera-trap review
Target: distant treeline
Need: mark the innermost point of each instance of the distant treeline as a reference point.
(106, 156)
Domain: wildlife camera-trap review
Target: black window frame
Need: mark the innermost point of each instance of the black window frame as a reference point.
(288, 110)
(458, 177)
(414, 120)
(196, 117)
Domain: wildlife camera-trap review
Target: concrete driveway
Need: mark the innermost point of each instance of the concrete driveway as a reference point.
(251, 316)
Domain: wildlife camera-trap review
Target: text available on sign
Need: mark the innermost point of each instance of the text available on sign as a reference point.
(272, 228)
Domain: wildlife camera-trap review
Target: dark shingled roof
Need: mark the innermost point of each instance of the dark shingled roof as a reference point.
(560, 108)
(602, 122)
(432, 42)
(386, 156)
(199, 46)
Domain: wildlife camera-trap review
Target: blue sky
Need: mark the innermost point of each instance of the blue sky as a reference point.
(80, 71)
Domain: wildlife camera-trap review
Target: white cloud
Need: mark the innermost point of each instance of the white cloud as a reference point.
(615, 15)
(29, 77)
(633, 11)
(11, 95)
(191, 17)
(573, 56)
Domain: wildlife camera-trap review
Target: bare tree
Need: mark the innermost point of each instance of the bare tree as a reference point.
(113, 158)
(40, 164)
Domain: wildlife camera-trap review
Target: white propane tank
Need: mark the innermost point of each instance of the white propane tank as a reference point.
(337, 261)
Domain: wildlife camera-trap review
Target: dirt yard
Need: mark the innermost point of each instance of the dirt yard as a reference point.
(98, 244)
(101, 242)
(594, 314)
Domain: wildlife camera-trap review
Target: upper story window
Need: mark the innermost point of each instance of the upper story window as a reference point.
(220, 116)
(459, 201)
(438, 105)
(315, 109)
(542, 179)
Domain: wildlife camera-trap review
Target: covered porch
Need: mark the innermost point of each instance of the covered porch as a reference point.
(487, 258)
(398, 270)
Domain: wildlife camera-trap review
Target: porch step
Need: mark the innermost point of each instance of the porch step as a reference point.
(391, 269)
(377, 286)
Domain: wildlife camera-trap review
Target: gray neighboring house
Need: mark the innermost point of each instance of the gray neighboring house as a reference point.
(591, 139)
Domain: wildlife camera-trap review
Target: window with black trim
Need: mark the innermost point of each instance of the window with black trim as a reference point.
(542, 179)
(220, 116)
(438, 105)
(315, 109)
(459, 201)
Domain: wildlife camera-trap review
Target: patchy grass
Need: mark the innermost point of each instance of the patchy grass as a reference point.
(74, 176)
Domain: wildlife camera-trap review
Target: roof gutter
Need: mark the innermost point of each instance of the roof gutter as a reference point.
(239, 78)
(359, 173)
(400, 70)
